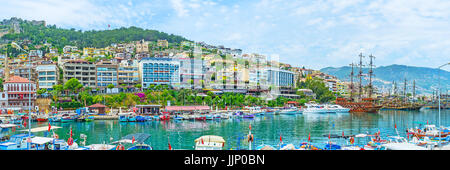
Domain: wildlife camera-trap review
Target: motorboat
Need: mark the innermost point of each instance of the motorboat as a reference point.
(338, 108)
(428, 131)
(209, 142)
(16, 142)
(315, 108)
(137, 140)
(290, 111)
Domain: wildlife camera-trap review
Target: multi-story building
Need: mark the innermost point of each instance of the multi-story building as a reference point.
(69, 49)
(129, 73)
(162, 43)
(141, 46)
(24, 71)
(20, 92)
(47, 76)
(106, 75)
(192, 72)
(82, 70)
(280, 77)
(159, 71)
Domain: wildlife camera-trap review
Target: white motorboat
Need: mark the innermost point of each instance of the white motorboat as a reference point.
(315, 108)
(290, 111)
(209, 142)
(337, 108)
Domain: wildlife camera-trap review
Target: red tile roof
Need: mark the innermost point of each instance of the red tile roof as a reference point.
(17, 79)
(97, 106)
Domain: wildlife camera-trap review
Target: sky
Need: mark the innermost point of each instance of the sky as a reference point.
(310, 33)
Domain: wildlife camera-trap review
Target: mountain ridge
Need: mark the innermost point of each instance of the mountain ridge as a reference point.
(426, 78)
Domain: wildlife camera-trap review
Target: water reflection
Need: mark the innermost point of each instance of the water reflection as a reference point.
(266, 129)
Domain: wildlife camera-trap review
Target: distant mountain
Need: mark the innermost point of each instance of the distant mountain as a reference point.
(426, 78)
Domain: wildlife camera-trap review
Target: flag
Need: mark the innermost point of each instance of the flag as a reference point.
(309, 137)
(49, 126)
(132, 140)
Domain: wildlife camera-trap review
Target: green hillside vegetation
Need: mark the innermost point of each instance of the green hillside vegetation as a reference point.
(59, 37)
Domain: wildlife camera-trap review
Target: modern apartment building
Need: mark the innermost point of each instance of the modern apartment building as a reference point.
(24, 72)
(47, 76)
(82, 70)
(159, 71)
(192, 69)
(280, 77)
(129, 73)
(107, 73)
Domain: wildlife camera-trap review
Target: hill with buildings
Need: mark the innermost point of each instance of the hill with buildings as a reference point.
(36, 32)
(426, 79)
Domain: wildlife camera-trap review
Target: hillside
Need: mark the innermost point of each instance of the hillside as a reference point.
(426, 78)
(38, 33)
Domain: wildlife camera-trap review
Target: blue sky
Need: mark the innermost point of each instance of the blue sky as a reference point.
(310, 33)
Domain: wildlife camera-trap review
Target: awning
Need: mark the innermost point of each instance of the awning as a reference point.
(98, 105)
(7, 125)
(211, 138)
(40, 129)
(41, 140)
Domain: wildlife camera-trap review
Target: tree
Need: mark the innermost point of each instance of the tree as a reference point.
(110, 86)
(72, 85)
(41, 91)
(139, 86)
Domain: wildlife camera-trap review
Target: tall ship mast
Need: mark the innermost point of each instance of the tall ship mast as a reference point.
(360, 75)
(364, 105)
(370, 75)
(352, 74)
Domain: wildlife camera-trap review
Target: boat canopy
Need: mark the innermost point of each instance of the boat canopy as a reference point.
(40, 129)
(7, 125)
(403, 146)
(41, 140)
(138, 138)
(211, 138)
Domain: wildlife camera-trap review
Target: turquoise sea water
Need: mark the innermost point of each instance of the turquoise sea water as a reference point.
(266, 129)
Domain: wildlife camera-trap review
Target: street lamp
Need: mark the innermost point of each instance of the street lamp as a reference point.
(439, 98)
(29, 80)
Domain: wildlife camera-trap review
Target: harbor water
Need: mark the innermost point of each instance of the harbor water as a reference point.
(266, 129)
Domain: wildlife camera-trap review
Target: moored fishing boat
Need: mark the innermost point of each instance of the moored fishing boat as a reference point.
(290, 111)
(16, 142)
(209, 142)
(54, 119)
(89, 118)
(428, 131)
(140, 119)
(131, 118)
(136, 139)
(123, 117)
(65, 119)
